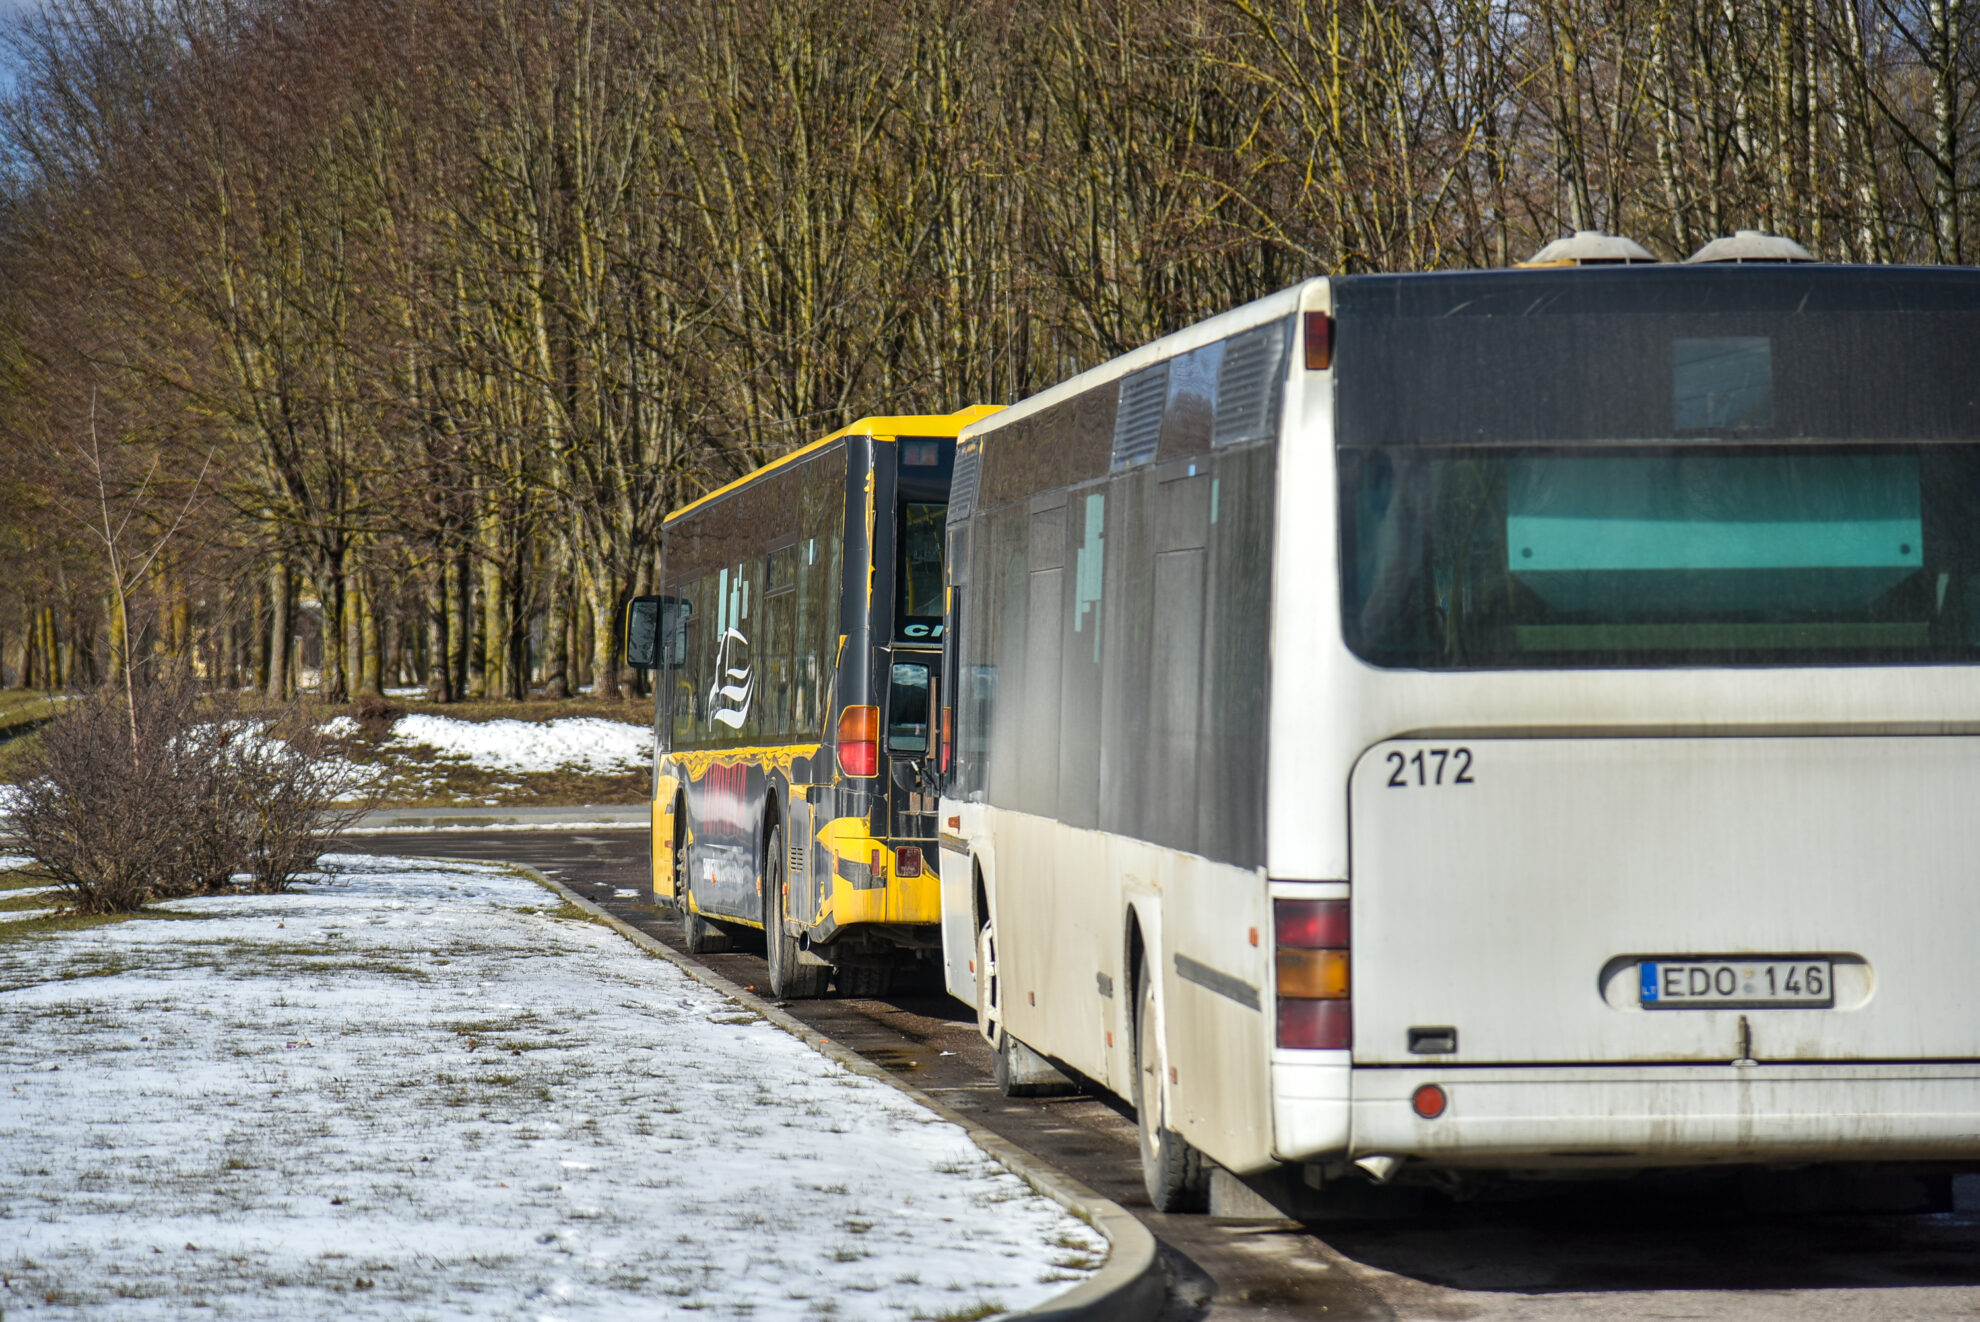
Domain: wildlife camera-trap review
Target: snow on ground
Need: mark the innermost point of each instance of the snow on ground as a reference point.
(579, 743)
(410, 1091)
(9, 862)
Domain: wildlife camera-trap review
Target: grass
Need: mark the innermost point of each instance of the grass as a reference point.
(982, 1308)
(29, 929)
(14, 903)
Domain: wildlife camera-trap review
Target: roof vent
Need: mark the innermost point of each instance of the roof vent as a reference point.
(1591, 248)
(1750, 246)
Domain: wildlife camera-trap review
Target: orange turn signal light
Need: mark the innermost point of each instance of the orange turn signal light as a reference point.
(859, 741)
(1320, 975)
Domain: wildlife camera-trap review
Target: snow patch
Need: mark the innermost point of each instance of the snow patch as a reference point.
(406, 1090)
(579, 743)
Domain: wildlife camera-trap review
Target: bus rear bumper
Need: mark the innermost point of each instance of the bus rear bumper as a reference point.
(1597, 1118)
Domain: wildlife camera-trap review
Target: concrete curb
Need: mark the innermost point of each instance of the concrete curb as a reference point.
(1129, 1285)
(603, 818)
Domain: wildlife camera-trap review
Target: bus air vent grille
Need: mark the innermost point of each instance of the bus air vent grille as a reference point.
(1138, 418)
(1247, 384)
(962, 485)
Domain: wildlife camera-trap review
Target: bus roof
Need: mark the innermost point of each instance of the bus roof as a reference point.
(881, 428)
(1305, 294)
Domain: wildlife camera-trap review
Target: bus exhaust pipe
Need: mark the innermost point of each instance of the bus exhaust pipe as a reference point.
(1380, 1167)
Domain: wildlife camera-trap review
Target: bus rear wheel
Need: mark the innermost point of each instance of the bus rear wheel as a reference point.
(1171, 1167)
(864, 981)
(790, 980)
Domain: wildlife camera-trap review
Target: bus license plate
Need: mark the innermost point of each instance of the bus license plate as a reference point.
(1725, 984)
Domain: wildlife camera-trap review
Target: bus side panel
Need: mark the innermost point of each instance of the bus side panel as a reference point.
(958, 920)
(1215, 951)
(1062, 898)
(1056, 902)
(725, 808)
(666, 786)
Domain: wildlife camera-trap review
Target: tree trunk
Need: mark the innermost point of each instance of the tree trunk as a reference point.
(371, 663)
(330, 684)
(281, 628)
(460, 621)
(557, 641)
(439, 673)
(604, 641)
(494, 631)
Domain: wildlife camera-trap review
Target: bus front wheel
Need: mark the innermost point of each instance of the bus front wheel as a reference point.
(1171, 1166)
(790, 980)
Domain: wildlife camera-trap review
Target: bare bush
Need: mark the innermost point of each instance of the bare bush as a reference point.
(294, 799)
(168, 792)
(99, 807)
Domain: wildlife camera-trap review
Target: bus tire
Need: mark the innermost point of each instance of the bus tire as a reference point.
(1171, 1167)
(789, 980)
(864, 981)
(678, 900)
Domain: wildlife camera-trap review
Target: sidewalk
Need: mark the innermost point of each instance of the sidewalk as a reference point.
(617, 817)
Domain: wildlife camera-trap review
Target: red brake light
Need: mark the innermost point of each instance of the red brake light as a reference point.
(1319, 341)
(948, 714)
(859, 741)
(1311, 924)
(1429, 1101)
(1315, 1025)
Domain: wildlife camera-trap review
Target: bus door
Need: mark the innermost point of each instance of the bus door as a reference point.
(914, 684)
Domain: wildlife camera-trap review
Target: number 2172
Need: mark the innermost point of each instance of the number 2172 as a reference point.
(1429, 766)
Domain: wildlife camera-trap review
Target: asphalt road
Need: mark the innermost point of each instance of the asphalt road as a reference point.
(1598, 1250)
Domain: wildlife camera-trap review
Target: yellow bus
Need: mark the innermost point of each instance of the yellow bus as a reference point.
(796, 649)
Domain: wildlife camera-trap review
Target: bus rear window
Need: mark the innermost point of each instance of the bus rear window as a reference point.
(1472, 558)
(919, 569)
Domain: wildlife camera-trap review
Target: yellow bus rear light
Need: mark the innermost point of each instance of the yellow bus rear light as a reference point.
(1320, 975)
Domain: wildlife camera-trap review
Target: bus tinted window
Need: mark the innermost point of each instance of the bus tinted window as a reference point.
(920, 562)
(1871, 355)
(1458, 558)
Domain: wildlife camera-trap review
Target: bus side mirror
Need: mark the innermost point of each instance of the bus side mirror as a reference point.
(656, 632)
(642, 633)
(674, 613)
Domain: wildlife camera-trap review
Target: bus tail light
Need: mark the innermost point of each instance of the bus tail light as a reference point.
(1315, 1025)
(948, 718)
(1319, 341)
(1311, 961)
(1314, 974)
(859, 741)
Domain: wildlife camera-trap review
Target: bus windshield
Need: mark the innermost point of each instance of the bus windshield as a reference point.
(1461, 558)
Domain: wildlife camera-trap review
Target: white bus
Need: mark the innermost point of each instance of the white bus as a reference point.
(1512, 721)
